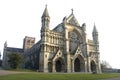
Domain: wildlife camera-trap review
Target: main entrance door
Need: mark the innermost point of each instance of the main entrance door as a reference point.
(77, 65)
(58, 66)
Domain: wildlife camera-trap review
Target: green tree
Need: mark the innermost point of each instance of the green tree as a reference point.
(14, 60)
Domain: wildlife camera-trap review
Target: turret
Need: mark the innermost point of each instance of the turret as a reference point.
(45, 19)
(95, 38)
(84, 27)
(44, 54)
(5, 45)
(95, 35)
(96, 48)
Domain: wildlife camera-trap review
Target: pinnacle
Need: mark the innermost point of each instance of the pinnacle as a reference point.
(45, 13)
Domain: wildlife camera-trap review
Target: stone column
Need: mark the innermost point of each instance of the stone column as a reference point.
(67, 52)
(98, 65)
(46, 62)
(53, 67)
(89, 65)
(85, 65)
(73, 65)
(46, 67)
(68, 64)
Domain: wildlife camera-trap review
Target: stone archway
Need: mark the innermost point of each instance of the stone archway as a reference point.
(59, 65)
(79, 64)
(93, 66)
(50, 66)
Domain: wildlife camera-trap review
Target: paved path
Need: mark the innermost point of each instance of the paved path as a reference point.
(112, 79)
(5, 72)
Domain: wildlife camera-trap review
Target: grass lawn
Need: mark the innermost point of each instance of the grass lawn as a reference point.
(57, 76)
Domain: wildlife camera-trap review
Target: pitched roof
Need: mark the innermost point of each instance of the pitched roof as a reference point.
(11, 49)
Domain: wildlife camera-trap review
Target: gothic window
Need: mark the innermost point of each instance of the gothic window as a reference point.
(74, 42)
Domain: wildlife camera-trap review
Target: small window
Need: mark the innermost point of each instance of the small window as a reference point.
(46, 56)
(59, 53)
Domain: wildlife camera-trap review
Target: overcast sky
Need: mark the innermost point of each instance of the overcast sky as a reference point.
(20, 18)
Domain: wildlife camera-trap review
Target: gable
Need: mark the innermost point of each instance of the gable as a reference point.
(79, 52)
(72, 20)
(58, 55)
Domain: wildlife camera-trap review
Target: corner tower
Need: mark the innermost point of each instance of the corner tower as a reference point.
(96, 49)
(95, 38)
(45, 19)
(44, 54)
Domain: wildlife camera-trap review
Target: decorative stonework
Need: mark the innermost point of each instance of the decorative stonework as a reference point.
(66, 48)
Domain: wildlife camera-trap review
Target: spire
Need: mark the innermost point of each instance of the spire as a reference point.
(94, 29)
(5, 44)
(45, 20)
(84, 26)
(45, 13)
(72, 11)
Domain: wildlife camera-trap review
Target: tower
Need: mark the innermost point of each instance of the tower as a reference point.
(44, 54)
(96, 48)
(67, 53)
(86, 48)
(28, 42)
(45, 20)
(4, 63)
(95, 38)
(5, 44)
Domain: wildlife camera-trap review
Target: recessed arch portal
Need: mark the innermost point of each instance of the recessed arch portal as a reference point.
(79, 64)
(93, 66)
(59, 65)
(50, 66)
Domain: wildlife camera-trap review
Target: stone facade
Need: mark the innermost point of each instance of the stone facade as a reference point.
(8, 50)
(66, 48)
(28, 42)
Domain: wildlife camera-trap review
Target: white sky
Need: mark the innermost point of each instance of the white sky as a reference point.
(20, 18)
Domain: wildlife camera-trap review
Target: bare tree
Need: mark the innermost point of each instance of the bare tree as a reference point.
(105, 65)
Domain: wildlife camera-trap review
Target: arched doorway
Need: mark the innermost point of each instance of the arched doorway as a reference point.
(58, 66)
(77, 65)
(93, 66)
(50, 66)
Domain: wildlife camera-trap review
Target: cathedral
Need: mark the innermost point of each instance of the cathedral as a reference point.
(66, 48)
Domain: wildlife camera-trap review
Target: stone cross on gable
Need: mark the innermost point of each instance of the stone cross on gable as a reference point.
(72, 11)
